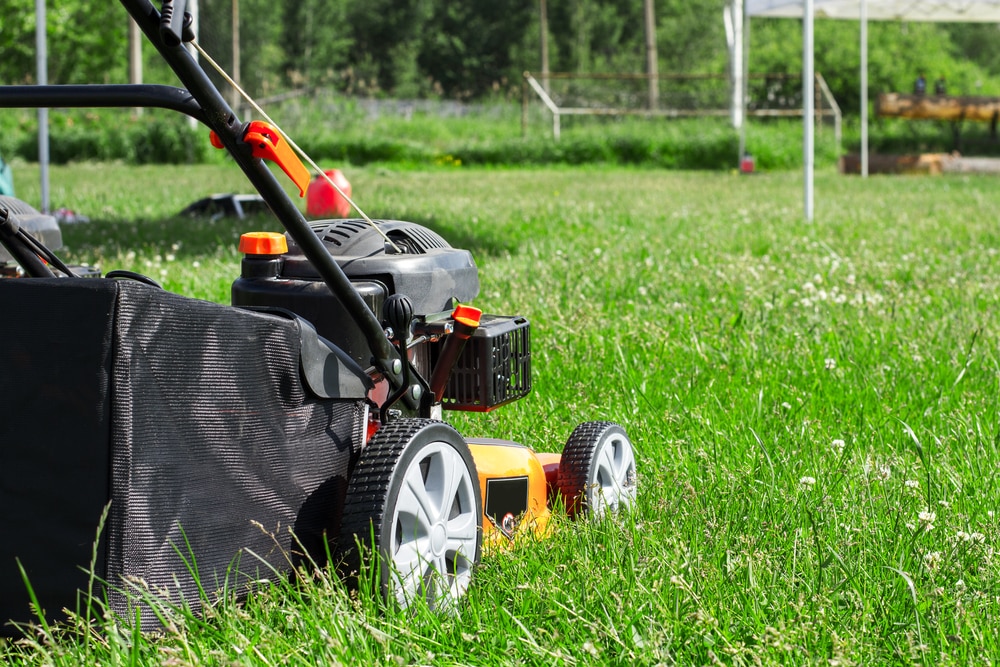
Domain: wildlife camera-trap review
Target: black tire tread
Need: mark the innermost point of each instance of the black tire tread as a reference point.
(576, 464)
(367, 496)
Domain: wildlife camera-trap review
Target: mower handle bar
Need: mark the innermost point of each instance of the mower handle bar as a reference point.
(201, 99)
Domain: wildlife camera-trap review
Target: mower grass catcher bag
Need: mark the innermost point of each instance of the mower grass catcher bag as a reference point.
(190, 424)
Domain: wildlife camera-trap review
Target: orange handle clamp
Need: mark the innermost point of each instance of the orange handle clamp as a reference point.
(267, 143)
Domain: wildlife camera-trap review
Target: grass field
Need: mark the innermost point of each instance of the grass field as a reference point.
(814, 406)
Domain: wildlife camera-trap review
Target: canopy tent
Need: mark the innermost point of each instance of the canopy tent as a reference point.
(954, 11)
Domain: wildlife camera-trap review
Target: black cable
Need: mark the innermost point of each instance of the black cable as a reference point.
(39, 249)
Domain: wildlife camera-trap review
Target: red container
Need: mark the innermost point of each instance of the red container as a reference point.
(323, 200)
(746, 164)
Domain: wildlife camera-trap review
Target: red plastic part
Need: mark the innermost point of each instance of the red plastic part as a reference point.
(323, 200)
(467, 315)
(266, 143)
(263, 243)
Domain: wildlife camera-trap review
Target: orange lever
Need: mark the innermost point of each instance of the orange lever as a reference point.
(267, 143)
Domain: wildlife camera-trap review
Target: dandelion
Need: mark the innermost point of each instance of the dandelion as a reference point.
(830, 363)
(807, 482)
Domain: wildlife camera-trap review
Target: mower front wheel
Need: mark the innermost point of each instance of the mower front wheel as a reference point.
(597, 470)
(412, 522)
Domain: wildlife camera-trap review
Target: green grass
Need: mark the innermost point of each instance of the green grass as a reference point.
(815, 409)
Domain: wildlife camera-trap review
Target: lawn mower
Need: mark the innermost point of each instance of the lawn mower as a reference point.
(163, 450)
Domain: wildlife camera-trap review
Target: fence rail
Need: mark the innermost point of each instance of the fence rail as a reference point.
(684, 96)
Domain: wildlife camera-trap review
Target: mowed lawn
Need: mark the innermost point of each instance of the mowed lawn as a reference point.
(815, 408)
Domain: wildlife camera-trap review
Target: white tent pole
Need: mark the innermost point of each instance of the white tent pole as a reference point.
(808, 102)
(737, 64)
(42, 67)
(746, 79)
(864, 89)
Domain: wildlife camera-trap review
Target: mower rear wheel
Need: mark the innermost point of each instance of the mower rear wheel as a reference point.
(413, 515)
(597, 470)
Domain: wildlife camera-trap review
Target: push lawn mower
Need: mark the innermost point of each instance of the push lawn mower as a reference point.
(207, 448)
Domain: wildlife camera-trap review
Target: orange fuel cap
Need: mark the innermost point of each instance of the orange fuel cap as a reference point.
(467, 315)
(263, 243)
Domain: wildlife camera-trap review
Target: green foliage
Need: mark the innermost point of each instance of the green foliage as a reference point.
(106, 135)
(85, 42)
(428, 48)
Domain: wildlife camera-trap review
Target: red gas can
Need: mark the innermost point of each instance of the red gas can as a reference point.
(323, 200)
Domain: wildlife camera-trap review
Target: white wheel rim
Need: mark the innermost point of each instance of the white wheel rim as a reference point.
(612, 478)
(434, 530)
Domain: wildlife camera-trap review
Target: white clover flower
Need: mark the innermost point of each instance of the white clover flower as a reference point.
(808, 287)
(830, 363)
(838, 445)
(944, 503)
(911, 484)
(807, 482)
(927, 518)
(786, 405)
(883, 472)
(960, 585)
(932, 560)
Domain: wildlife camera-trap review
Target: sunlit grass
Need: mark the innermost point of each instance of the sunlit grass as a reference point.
(815, 409)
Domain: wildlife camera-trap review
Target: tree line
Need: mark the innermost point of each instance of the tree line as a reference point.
(476, 50)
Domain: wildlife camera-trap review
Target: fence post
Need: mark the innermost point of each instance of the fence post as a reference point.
(524, 108)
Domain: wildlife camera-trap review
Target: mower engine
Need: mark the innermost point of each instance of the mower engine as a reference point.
(386, 263)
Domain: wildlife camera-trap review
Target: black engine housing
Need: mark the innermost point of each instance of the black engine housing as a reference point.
(418, 263)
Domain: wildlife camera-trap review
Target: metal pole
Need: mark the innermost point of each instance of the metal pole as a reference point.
(864, 89)
(739, 54)
(42, 66)
(236, 53)
(808, 105)
(746, 82)
(652, 66)
(543, 20)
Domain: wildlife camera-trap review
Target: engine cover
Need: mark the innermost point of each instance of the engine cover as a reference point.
(419, 263)
(429, 270)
